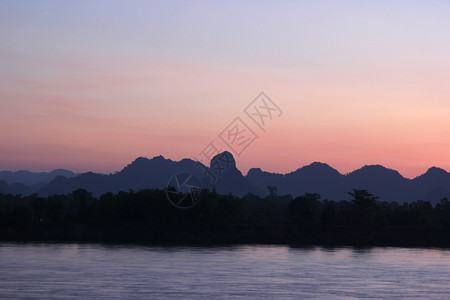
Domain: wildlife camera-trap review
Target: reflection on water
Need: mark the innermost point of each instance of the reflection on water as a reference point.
(104, 271)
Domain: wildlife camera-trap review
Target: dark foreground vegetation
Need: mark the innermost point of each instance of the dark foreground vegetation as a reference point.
(147, 217)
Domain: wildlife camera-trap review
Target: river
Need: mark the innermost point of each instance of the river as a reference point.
(96, 271)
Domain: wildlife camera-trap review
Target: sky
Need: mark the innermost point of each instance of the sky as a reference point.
(92, 85)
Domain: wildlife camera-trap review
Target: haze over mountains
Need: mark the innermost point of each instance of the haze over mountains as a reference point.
(26, 182)
(317, 177)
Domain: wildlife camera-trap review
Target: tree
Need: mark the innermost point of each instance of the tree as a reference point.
(303, 209)
(443, 212)
(364, 206)
(272, 190)
(328, 215)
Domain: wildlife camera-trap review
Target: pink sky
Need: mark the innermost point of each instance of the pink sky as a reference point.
(91, 87)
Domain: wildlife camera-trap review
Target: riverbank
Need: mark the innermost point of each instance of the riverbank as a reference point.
(280, 236)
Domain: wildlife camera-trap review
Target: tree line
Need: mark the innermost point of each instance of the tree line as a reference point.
(147, 216)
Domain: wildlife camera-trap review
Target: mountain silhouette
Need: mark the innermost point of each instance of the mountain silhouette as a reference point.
(147, 173)
(4, 187)
(223, 175)
(432, 185)
(231, 180)
(314, 178)
(389, 184)
(26, 182)
(15, 188)
(140, 174)
(32, 178)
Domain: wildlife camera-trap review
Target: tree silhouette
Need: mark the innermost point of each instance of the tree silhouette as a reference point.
(272, 190)
(147, 216)
(363, 204)
(303, 210)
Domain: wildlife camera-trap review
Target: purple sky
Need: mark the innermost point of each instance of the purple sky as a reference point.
(91, 85)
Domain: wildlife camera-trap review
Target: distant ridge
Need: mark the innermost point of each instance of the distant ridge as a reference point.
(30, 178)
(26, 182)
(317, 177)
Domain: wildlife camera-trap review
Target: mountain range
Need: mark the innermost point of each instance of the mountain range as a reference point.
(317, 177)
(26, 182)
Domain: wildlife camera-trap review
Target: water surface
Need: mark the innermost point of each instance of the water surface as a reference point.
(89, 271)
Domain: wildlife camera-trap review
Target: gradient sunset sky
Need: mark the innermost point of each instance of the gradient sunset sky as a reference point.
(91, 85)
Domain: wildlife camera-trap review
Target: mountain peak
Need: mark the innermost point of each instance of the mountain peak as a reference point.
(376, 171)
(159, 157)
(316, 169)
(141, 164)
(254, 171)
(318, 164)
(140, 159)
(61, 171)
(144, 160)
(435, 171)
(224, 159)
(374, 168)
